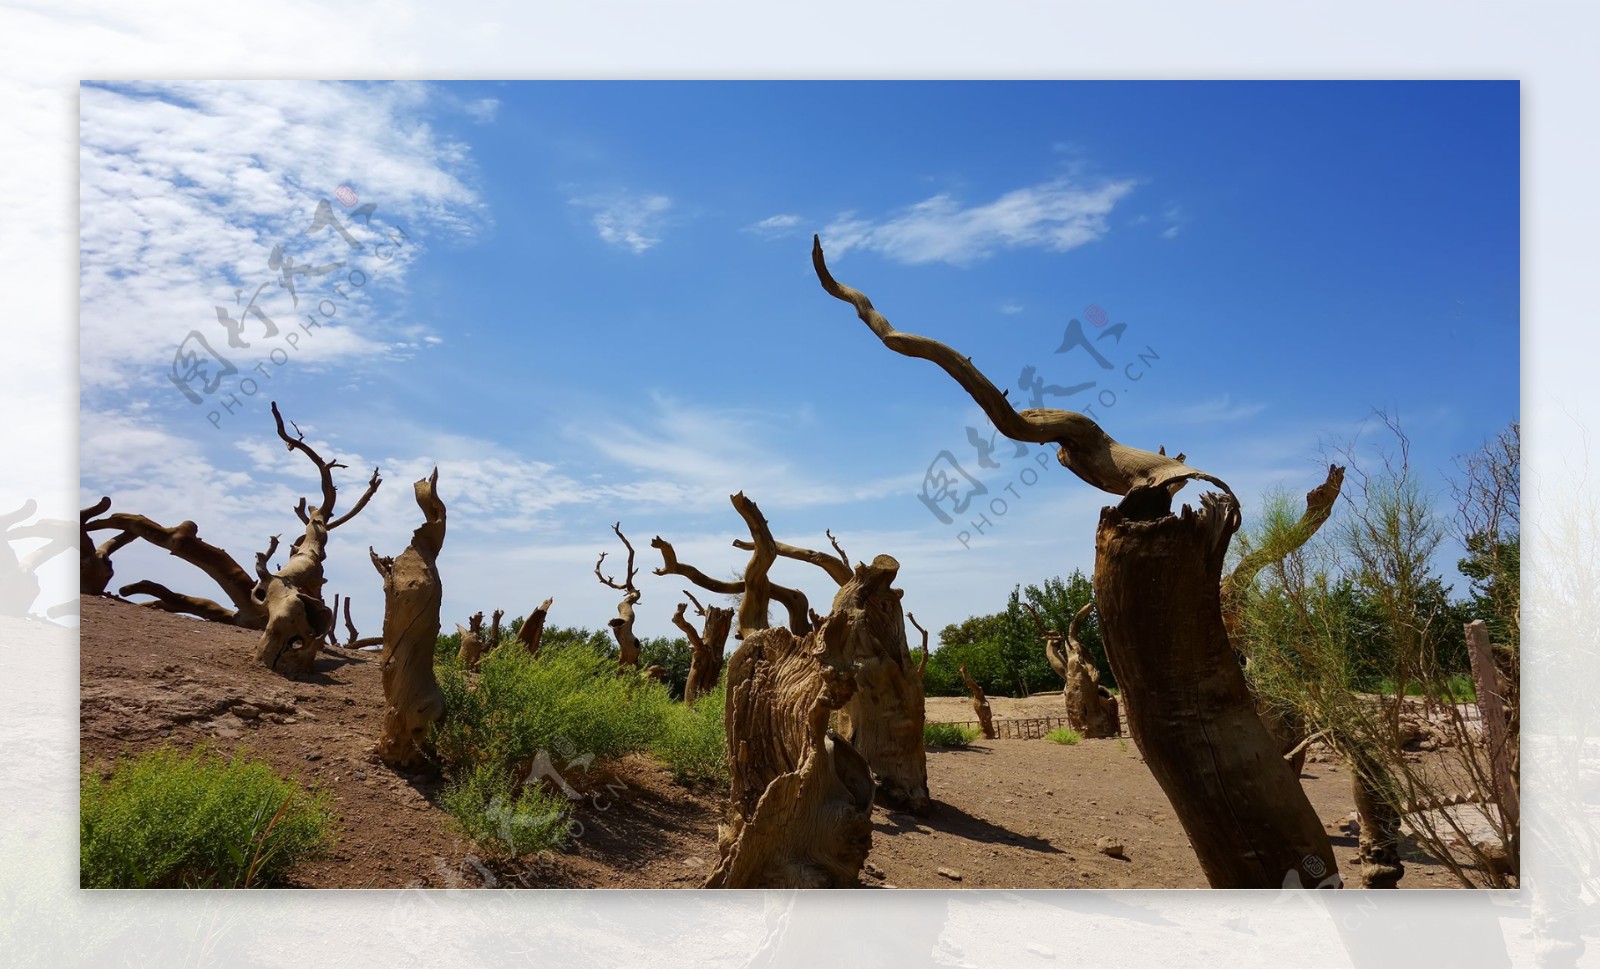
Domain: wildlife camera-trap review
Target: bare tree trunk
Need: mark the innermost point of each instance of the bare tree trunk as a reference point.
(1157, 578)
(531, 633)
(1091, 710)
(353, 639)
(755, 588)
(94, 566)
(705, 647)
(412, 593)
(297, 618)
(183, 541)
(885, 716)
(494, 629)
(471, 650)
(800, 812)
(622, 624)
(980, 704)
(1497, 703)
(1378, 843)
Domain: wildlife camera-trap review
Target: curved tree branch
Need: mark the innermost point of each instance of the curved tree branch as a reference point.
(837, 569)
(1083, 448)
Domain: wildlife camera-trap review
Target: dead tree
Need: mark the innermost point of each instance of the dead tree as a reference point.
(332, 636)
(799, 815)
(494, 628)
(94, 561)
(755, 590)
(1091, 710)
(354, 640)
(705, 646)
(922, 665)
(980, 705)
(622, 624)
(531, 632)
(885, 716)
(412, 593)
(1157, 588)
(471, 649)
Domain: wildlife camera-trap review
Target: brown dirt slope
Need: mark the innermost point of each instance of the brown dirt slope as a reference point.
(1009, 813)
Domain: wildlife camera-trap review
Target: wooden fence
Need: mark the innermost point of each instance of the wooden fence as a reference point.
(1016, 727)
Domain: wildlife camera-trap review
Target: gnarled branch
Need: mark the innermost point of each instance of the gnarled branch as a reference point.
(1083, 448)
(297, 442)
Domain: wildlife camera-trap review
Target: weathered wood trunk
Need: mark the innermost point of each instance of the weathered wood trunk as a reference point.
(705, 646)
(799, 814)
(1091, 710)
(980, 704)
(297, 618)
(1378, 842)
(472, 645)
(531, 633)
(412, 593)
(1157, 580)
(884, 718)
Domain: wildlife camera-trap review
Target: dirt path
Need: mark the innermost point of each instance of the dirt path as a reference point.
(1010, 813)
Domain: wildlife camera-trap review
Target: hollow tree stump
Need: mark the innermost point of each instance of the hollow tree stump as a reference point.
(980, 705)
(1157, 577)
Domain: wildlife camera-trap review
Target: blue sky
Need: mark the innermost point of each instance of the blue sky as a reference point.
(603, 308)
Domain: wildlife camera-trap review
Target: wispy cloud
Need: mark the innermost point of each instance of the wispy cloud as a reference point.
(187, 187)
(632, 221)
(1217, 410)
(1058, 215)
(483, 110)
(1011, 309)
(773, 226)
(1175, 218)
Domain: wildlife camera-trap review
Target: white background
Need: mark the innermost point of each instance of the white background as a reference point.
(47, 48)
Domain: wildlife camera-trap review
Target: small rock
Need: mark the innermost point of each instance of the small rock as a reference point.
(350, 701)
(288, 720)
(1109, 846)
(361, 775)
(695, 862)
(954, 874)
(873, 870)
(313, 756)
(248, 712)
(890, 885)
(1048, 791)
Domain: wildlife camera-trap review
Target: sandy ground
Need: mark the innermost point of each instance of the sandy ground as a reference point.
(1009, 813)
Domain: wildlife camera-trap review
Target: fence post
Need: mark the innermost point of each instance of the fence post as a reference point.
(1486, 679)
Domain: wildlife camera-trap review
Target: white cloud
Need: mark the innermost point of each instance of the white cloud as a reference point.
(1217, 410)
(187, 187)
(775, 226)
(632, 221)
(483, 110)
(1011, 309)
(1057, 215)
(1171, 232)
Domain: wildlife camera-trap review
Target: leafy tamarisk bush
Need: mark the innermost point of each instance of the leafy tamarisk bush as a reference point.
(164, 819)
(948, 735)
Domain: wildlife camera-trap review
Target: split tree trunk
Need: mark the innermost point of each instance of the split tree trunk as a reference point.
(531, 633)
(471, 650)
(705, 646)
(980, 704)
(1157, 578)
(800, 812)
(1090, 705)
(412, 593)
(1378, 843)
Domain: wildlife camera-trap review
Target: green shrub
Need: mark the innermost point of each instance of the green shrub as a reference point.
(948, 735)
(502, 820)
(166, 819)
(1064, 736)
(693, 743)
(556, 713)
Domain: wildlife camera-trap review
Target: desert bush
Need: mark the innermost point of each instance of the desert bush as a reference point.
(521, 719)
(1064, 736)
(165, 819)
(694, 743)
(503, 818)
(948, 735)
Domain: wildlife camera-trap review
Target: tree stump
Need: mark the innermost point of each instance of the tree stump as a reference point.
(705, 646)
(1157, 577)
(531, 632)
(799, 815)
(297, 618)
(411, 596)
(472, 645)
